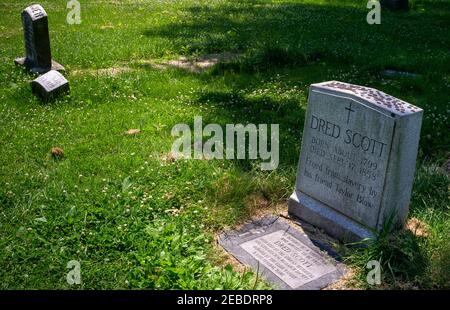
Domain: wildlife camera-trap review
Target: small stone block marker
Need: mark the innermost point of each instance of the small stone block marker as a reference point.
(50, 85)
(38, 58)
(357, 160)
(283, 255)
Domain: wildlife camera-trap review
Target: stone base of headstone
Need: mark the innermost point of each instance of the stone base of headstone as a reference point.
(332, 222)
(395, 4)
(50, 85)
(55, 66)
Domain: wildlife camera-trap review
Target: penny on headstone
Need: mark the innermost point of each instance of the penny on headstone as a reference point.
(38, 58)
(49, 85)
(281, 254)
(395, 4)
(357, 160)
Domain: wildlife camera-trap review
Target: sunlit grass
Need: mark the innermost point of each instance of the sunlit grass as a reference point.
(135, 219)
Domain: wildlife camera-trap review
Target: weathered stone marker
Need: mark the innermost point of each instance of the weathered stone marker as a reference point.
(282, 255)
(38, 58)
(357, 160)
(395, 4)
(50, 85)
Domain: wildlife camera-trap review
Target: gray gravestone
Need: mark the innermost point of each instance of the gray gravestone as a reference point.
(38, 58)
(395, 4)
(50, 85)
(357, 160)
(282, 255)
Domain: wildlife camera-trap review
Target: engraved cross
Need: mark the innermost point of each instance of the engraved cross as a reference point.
(349, 109)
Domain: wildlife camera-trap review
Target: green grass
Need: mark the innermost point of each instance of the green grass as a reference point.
(410, 261)
(134, 220)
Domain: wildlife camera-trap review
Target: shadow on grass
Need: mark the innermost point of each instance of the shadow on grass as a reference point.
(290, 36)
(295, 36)
(235, 107)
(401, 254)
(295, 32)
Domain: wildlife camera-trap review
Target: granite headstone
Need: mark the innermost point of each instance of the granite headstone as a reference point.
(49, 85)
(38, 58)
(357, 160)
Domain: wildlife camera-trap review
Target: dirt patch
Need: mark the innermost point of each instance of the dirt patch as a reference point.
(259, 206)
(347, 282)
(171, 157)
(57, 152)
(417, 227)
(151, 64)
(132, 132)
(196, 65)
(113, 71)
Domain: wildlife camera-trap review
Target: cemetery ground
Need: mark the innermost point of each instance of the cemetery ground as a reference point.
(134, 216)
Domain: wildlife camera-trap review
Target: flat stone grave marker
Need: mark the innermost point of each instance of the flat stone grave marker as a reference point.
(282, 255)
(357, 160)
(38, 58)
(397, 73)
(50, 85)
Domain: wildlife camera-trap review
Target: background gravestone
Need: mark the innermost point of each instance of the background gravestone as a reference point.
(395, 4)
(50, 85)
(38, 58)
(357, 160)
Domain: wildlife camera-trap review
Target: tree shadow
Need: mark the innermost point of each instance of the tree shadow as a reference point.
(301, 41)
(298, 30)
(237, 107)
(401, 256)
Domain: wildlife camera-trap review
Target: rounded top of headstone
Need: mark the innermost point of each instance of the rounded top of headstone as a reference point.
(35, 11)
(373, 96)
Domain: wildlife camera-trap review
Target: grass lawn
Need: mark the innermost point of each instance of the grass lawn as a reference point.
(133, 217)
